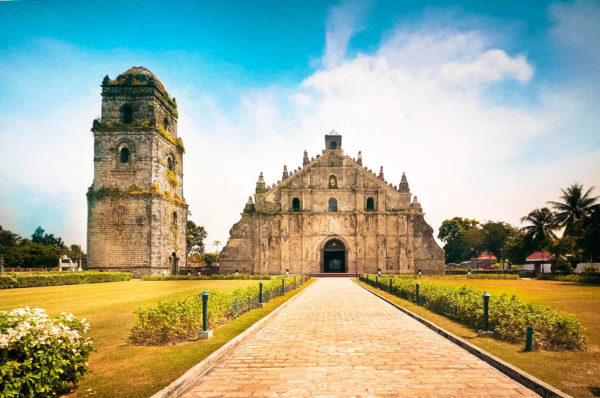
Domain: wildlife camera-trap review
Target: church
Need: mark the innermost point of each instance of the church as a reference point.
(333, 215)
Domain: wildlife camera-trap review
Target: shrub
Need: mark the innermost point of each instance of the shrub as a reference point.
(493, 276)
(577, 278)
(588, 269)
(36, 279)
(508, 316)
(176, 321)
(41, 355)
(206, 277)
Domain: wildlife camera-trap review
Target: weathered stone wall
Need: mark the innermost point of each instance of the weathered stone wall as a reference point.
(272, 237)
(136, 212)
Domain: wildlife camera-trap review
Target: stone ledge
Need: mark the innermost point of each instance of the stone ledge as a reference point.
(520, 376)
(183, 383)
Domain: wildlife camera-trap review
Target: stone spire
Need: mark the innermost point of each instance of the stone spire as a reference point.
(285, 173)
(416, 205)
(380, 176)
(404, 184)
(305, 160)
(249, 208)
(261, 187)
(359, 161)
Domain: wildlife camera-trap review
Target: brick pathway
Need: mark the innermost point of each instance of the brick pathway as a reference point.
(338, 340)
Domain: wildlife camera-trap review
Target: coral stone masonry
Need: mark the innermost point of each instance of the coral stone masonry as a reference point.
(332, 215)
(136, 211)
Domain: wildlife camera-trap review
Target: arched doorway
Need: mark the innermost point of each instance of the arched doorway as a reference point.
(174, 260)
(334, 256)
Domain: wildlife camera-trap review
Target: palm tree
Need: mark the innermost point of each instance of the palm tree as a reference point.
(573, 206)
(541, 227)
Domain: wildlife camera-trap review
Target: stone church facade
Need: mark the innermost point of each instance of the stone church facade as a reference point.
(137, 214)
(332, 215)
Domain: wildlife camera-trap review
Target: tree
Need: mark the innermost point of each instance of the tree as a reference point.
(590, 237)
(40, 236)
(540, 230)
(462, 238)
(573, 207)
(195, 238)
(517, 247)
(495, 238)
(210, 258)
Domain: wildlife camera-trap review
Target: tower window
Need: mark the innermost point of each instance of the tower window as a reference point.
(166, 122)
(126, 114)
(170, 163)
(174, 218)
(296, 204)
(370, 204)
(332, 205)
(333, 145)
(124, 155)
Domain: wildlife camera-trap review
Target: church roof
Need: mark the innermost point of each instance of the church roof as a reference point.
(139, 75)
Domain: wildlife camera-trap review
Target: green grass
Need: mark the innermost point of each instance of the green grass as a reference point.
(576, 373)
(119, 369)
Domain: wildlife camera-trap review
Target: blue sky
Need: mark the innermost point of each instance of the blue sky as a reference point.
(490, 107)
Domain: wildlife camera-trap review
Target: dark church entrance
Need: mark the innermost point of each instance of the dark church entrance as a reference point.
(334, 256)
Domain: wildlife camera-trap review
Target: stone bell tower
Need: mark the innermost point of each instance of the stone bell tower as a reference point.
(136, 211)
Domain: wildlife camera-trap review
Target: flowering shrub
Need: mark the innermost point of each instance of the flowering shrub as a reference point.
(508, 316)
(41, 355)
(180, 320)
(34, 279)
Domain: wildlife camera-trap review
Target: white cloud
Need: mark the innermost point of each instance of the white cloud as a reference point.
(342, 24)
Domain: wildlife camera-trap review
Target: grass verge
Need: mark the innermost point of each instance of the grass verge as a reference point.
(118, 368)
(576, 373)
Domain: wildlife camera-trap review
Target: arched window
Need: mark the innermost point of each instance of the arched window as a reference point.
(333, 145)
(166, 122)
(370, 204)
(332, 205)
(174, 218)
(332, 182)
(126, 114)
(124, 155)
(296, 204)
(170, 163)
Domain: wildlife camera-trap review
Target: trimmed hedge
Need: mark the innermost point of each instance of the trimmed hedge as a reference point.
(206, 277)
(180, 320)
(462, 276)
(509, 317)
(580, 278)
(36, 279)
(41, 356)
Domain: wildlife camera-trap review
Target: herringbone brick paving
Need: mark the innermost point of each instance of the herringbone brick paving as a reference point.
(338, 340)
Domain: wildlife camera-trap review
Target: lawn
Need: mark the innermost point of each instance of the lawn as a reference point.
(576, 373)
(119, 369)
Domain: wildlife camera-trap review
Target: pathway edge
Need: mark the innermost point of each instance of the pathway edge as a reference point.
(184, 382)
(520, 376)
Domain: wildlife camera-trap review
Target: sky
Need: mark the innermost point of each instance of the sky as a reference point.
(489, 107)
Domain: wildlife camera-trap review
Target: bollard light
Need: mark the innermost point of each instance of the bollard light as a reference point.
(529, 339)
(418, 287)
(282, 286)
(260, 296)
(287, 272)
(486, 305)
(204, 311)
(237, 272)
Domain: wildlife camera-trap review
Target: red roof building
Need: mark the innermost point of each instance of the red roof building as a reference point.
(538, 257)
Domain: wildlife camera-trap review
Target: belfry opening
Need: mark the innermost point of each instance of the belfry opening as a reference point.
(334, 256)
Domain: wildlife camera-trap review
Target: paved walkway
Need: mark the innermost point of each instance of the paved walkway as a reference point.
(338, 340)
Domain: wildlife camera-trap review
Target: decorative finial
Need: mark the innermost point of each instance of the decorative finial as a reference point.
(249, 208)
(285, 172)
(359, 161)
(106, 80)
(260, 184)
(380, 176)
(416, 205)
(305, 159)
(404, 184)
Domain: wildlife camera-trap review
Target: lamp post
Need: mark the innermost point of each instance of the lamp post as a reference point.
(486, 304)
(205, 333)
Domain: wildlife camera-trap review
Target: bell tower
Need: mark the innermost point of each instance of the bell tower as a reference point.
(137, 214)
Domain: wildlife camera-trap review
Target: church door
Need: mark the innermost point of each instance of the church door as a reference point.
(334, 256)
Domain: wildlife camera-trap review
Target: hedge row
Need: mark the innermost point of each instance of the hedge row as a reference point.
(465, 276)
(180, 320)
(580, 278)
(35, 279)
(509, 317)
(206, 277)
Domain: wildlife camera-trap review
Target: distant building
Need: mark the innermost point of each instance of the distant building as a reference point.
(136, 211)
(332, 215)
(484, 260)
